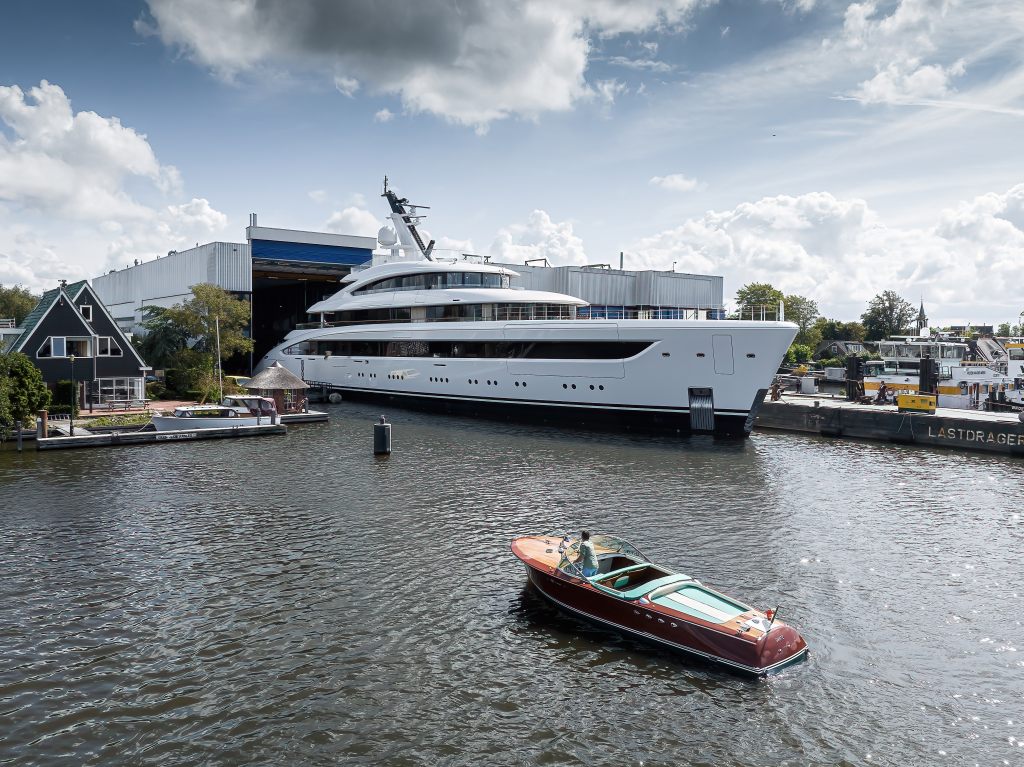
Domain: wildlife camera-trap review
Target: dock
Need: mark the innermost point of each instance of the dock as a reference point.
(1001, 433)
(156, 437)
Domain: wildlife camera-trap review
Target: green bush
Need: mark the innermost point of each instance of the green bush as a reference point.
(156, 390)
(64, 399)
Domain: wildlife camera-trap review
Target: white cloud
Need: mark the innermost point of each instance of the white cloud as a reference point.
(72, 164)
(608, 90)
(650, 65)
(353, 220)
(197, 216)
(539, 237)
(318, 196)
(383, 115)
(79, 176)
(841, 254)
(471, 63)
(908, 81)
(347, 86)
(675, 182)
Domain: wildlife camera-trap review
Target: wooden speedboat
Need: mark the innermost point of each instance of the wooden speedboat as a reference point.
(634, 595)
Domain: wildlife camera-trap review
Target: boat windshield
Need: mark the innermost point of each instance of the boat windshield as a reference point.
(606, 546)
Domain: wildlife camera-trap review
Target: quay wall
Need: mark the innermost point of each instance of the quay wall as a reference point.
(943, 429)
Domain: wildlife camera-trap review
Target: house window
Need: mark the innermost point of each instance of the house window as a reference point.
(86, 312)
(107, 347)
(53, 346)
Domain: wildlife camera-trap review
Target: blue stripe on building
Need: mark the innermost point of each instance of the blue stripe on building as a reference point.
(304, 252)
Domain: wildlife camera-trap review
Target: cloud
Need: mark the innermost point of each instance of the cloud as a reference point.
(72, 164)
(539, 237)
(908, 82)
(897, 44)
(318, 196)
(841, 253)
(676, 182)
(472, 63)
(84, 178)
(649, 65)
(347, 86)
(383, 116)
(608, 90)
(353, 220)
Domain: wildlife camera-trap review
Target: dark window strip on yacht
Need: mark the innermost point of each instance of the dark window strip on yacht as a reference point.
(456, 313)
(436, 281)
(544, 350)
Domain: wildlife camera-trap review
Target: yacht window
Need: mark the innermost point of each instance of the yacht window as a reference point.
(1016, 353)
(472, 279)
(491, 280)
(302, 347)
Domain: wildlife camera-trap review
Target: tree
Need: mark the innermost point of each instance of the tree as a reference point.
(758, 300)
(199, 316)
(1004, 329)
(837, 330)
(16, 302)
(803, 311)
(164, 337)
(888, 314)
(758, 294)
(22, 390)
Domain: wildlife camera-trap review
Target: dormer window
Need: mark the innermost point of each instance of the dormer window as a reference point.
(86, 312)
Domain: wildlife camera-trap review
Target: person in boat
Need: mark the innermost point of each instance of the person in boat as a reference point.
(587, 560)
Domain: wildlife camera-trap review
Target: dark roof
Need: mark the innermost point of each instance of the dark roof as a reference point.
(33, 317)
(276, 377)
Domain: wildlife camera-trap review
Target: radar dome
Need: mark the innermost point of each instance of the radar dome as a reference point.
(387, 237)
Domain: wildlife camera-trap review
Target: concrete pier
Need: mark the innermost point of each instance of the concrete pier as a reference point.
(153, 437)
(950, 427)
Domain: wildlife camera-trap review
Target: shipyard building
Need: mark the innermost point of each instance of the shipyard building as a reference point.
(282, 272)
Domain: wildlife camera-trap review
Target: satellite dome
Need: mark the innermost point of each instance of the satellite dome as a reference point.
(386, 236)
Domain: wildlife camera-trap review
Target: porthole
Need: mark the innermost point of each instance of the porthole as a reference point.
(591, 387)
(601, 387)
(524, 384)
(517, 384)
(574, 386)
(751, 356)
(700, 354)
(666, 354)
(475, 381)
(488, 383)
(469, 380)
(565, 386)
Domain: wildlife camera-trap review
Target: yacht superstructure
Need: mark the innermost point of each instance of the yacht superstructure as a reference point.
(453, 335)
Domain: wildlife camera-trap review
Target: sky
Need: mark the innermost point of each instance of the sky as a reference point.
(833, 149)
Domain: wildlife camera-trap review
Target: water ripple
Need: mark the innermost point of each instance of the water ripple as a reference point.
(295, 600)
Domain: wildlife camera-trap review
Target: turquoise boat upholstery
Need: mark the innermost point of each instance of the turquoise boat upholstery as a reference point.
(700, 602)
(638, 591)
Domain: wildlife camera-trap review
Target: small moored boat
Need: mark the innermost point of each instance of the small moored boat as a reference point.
(236, 411)
(656, 603)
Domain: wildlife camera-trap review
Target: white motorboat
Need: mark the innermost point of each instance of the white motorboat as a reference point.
(236, 411)
(453, 335)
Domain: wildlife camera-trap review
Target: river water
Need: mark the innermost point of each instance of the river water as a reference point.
(294, 600)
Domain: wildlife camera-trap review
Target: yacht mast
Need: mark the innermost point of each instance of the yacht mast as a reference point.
(405, 217)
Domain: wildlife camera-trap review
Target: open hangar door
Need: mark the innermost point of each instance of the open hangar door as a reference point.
(281, 293)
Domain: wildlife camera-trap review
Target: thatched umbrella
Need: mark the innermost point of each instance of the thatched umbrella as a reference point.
(282, 384)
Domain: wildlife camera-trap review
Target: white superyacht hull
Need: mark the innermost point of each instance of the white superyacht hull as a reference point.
(688, 376)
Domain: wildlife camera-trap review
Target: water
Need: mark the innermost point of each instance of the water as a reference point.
(293, 600)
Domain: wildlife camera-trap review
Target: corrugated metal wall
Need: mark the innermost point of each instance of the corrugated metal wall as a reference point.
(612, 287)
(169, 279)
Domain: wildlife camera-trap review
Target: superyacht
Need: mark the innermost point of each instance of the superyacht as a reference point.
(454, 336)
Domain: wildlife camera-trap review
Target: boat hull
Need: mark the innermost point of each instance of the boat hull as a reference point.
(603, 417)
(173, 423)
(781, 647)
(688, 377)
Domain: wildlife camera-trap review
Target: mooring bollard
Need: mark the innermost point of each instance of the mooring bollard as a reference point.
(382, 437)
(17, 428)
(42, 426)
